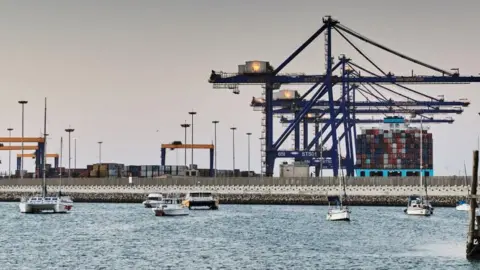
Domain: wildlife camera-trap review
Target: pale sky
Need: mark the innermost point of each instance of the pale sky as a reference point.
(118, 71)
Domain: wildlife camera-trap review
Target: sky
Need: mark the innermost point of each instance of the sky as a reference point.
(128, 72)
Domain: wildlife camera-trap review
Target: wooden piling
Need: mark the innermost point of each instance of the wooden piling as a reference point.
(473, 249)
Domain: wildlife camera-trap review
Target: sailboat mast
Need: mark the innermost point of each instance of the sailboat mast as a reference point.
(341, 179)
(421, 159)
(466, 180)
(44, 154)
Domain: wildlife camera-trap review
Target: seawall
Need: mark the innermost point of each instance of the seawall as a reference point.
(249, 194)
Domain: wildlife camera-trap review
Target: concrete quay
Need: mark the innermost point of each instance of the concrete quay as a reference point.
(295, 192)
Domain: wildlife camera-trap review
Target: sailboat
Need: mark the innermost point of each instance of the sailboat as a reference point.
(43, 203)
(337, 211)
(463, 205)
(419, 205)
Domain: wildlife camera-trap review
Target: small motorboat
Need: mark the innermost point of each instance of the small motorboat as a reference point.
(463, 206)
(171, 206)
(153, 200)
(418, 206)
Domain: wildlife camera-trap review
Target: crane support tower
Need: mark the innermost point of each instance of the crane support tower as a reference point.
(334, 113)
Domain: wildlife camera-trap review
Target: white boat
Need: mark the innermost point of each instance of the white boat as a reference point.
(153, 200)
(40, 204)
(171, 206)
(200, 199)
(463, 206)
(418, 206)
(337, 211)
(43, 203)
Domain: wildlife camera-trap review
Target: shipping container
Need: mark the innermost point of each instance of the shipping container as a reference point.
(393, 148)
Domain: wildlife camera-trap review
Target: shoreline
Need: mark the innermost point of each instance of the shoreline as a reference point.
(251, 199)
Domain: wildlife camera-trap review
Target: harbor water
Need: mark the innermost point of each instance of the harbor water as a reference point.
(128, 236)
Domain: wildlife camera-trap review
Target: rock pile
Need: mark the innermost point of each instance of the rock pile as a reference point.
(249, 199)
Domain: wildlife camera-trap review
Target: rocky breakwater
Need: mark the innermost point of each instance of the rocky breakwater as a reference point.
(273, 199)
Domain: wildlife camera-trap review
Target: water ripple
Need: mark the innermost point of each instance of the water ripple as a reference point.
(127, 236)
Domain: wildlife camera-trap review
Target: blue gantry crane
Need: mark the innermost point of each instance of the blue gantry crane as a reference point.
(339, 112)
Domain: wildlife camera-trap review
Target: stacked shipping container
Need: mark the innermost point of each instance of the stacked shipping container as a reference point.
(393, 149)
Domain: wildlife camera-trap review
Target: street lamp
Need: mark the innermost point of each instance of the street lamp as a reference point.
(261, 156)
(248, 134)
(100, 153)
(215, 122)
(75, 153)
(233, 148)
(9, 153)
(185, 126)
(69, 130)
(192, 113)
(22, 102)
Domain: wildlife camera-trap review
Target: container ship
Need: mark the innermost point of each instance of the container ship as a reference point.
(393, 149)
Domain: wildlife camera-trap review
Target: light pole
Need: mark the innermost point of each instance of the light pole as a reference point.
(100, 153)
(69, 130)
(261, 158)
(22, 102)
(192, 113)
(233, 148)
(75, 153)
(248, 135)
(10, 153)
(215, 122)
(185, 126)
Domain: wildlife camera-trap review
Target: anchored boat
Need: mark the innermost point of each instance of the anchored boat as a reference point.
(338, 211)
(43, 203)
(153, 200)
(171, 206)
(200, 199)
(418, 206)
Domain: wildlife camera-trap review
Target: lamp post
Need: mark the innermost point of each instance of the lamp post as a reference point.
(22, 102)
(69, 130)
(261, 157)
(10, 153)
(233, 148)
(185, 126)
(75, 153)
(215, 122)
(100, 153)
(192, 113)
(248, 135)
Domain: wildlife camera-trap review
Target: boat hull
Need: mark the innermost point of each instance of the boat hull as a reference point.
(338, 215)
(418, 211)
(159, 212)
(463, 207)
(34, 208)
(151, 204)
(192, 204)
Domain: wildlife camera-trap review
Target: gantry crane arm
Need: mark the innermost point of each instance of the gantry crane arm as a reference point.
(361, 37)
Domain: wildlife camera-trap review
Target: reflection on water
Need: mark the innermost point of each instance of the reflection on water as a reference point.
(128, 236)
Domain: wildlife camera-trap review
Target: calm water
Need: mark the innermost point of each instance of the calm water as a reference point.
(128, 236)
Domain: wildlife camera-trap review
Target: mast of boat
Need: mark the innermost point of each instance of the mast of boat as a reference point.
(44, 154)
(466, 180)
(60, 170)
(341, 179)
(421, 159)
